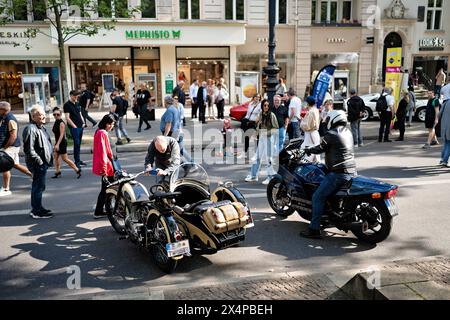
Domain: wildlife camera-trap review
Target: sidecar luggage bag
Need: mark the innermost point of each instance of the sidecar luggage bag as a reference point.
(225, 217)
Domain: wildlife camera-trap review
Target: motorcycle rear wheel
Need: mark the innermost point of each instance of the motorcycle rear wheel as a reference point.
(117, 219)
(158, 247)
(379, 222)
(278, 205)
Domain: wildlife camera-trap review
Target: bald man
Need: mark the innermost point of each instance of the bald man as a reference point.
(163, 155)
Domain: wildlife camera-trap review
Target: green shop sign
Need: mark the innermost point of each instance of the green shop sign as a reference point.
(152, 34)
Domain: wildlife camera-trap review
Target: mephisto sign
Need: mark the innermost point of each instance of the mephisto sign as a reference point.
(152, 34)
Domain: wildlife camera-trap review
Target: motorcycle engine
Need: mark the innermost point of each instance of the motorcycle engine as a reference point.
(134, 226)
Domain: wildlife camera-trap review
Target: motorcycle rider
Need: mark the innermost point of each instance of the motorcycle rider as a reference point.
(164, 154)
(337, 143)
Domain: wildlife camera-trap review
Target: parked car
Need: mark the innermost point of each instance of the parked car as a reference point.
(239, 111)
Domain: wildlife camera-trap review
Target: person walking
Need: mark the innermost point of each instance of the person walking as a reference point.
(38, 150)
(400, 115)
(281, 112)
(444, 116)
(295, 109)
(178, 132)
(266, 125)
(202, 97)
(181, 96)
(355, 109)
(193, 91)
(142, 101)
(210, 91)
(411, 105)
(440, 81)
(76, 124)
(431, 119)
(170, 119)
(249, 121)
(327, 108)
(118, 110)
(385, 107)
(10, 144)
(310, 126)
(60, 147)
(102, 161)
(281, 87)
(220, 95)
(86, 99)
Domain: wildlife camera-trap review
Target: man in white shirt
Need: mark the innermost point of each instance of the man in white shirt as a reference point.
(386, 115)
(445, 91)
(193, 91)
(295, 108)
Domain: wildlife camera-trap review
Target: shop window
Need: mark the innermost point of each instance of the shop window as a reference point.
(148, 9)
(282, 11)
(434, 15)
(20, 9)
(347, 11)
(190, 9)
(234, 9)
(39, 10)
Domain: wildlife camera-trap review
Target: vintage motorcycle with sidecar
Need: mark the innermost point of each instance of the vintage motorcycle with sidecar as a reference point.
(180, 216)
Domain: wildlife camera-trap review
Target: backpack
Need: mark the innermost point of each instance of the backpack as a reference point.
(125, 105)
(381, 104)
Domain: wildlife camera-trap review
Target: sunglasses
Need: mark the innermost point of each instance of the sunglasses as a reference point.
(56, 114)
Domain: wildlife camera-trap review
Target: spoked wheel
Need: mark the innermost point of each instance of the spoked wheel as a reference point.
(377, 222)
(116, 218)
(160, 237)
(278, 198)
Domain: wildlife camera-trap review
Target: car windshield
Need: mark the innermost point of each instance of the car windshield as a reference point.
(189, 173)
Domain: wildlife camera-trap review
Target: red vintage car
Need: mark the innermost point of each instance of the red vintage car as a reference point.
(239, 111)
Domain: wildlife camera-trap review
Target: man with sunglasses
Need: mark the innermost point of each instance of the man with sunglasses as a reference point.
(76, 124)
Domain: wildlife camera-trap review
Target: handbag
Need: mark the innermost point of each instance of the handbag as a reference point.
(6, 162)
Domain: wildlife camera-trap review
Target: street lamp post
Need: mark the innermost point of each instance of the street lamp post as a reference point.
(272, 69)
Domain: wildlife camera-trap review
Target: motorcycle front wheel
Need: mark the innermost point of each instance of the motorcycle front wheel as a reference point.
(278, 198)
(378, 222)
(116, 218)
(160, 237)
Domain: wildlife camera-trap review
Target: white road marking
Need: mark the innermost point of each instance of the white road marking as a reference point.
(14, 212)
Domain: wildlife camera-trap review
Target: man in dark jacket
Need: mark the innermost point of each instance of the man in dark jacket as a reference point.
(163, 154)
(179, 92)
(356, 109)
(38, 150)
(201, 102)
(337, 144)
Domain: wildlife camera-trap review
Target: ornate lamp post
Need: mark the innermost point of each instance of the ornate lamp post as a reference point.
(272, 69)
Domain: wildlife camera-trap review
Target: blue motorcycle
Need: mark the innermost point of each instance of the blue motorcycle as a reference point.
(365, 206)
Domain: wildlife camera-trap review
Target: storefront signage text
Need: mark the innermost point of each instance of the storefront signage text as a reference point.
(17, 35)
(336, 40)
(152, 34)
(432, 44)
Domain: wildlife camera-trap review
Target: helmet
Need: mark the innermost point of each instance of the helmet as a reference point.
(335, 117)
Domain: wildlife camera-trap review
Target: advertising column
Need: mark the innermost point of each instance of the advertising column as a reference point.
(393, 72)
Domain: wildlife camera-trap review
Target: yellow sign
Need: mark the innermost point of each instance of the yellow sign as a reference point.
(393, 59)
(393, 75)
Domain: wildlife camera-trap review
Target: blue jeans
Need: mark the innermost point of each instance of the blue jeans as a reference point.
(281, 137)
(77, 135)
(356, 132)
(295, 131)
(446, 151)
(120, 128)
(183, 151)
(37, 186)
(329, 186)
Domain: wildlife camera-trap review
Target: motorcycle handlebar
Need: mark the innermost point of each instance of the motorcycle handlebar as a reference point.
(130, 178)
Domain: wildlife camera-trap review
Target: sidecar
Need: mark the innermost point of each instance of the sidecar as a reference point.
(211, 220)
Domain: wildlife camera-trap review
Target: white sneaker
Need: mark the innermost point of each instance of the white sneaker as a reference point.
(265, 182)
(4, 193)
(249, 178)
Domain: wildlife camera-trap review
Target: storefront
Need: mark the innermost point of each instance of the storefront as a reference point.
(16, 60)
(253, 55)
(159, 54)
(341, 48)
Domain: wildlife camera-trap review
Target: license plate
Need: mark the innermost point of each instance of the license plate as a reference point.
(178, 248)
(392, 206)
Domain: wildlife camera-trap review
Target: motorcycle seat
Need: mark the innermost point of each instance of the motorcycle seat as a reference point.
(345, 189)
(201, 208)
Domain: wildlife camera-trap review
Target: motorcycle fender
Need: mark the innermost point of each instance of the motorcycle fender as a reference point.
(200, 234)
(229, 193)
(169, 224)
(135, 192)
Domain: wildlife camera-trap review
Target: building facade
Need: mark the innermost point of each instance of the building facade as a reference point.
(170, 40)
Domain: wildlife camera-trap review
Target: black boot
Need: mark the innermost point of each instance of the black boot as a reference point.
(311, 234)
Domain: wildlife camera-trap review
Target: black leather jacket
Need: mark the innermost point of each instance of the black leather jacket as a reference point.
(337, 144)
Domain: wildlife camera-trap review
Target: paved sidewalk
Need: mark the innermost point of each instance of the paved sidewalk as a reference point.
(417, 279)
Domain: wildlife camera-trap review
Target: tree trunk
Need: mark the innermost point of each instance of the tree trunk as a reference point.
(62, 57)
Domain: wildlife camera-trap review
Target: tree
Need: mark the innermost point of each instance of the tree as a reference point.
(68, 18)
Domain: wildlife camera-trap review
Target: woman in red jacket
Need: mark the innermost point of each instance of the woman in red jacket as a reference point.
(102, 160)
